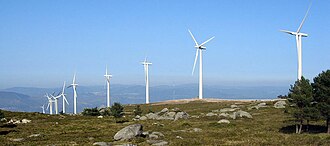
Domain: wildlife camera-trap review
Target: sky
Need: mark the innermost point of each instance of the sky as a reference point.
(44, 42)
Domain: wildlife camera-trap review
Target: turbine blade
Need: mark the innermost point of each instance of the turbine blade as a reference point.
(207, 41)
(65, 100)
(48, 106)
(289, 32)
(302, 23)
(193, 37)
(69, 86)
(193, 70)
(63, 87)
(74, 78)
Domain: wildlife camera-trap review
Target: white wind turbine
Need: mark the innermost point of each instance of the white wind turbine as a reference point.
(199, 50)
(74, 87)
(146, 64)
(43, 108)
(108, 77)
(56, 102)
(50, 104)
(64, 100)
(299, 35)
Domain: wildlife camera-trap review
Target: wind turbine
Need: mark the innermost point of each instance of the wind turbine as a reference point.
(146, 64)
(108, 77)
(299, 35)
(56, 102)
(43, 109)
(50, 104)
(74, 87)
(64, 98)
(199, 50)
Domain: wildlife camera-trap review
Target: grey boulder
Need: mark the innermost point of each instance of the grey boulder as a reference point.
(129, 132)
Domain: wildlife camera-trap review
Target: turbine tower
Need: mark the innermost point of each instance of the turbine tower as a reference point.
(108, 77)
(146, 64)
(199, 51)
(299, 35)
(74, 87)
(56, 102)
(43, 109)
(64, 98)
(50, 104)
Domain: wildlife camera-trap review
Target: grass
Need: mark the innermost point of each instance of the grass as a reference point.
(266, 128)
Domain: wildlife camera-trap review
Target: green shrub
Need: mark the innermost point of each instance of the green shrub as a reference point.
(2, 115)
(91, 112)
(137, 110)
(117, 110)
(105, 111)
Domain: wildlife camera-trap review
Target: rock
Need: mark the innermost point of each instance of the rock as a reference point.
(197, 129)
(146, 133)
(164, 110)
(24, 121)
(194, 116)
(102, 144)
(225, 110)
(224, 121)
(181, 115)
(233, 106)
(157, 142)
(211, 114)
(129, 132)
(99, 117)
(127, 144)
(233, 115)
(158, 133)
(243, 114)
(167, 116)
(280, 104)
(178, 137)
(215, 111)
(176, 110)
(226, 115)
(34, 135)
(137, 117)
(151, 116)
(263, 104)
(143, 118)
(91, 138)
(3, 120)
(153, 136)
(16, 139)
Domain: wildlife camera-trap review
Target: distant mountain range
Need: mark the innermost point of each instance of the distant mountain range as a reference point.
(31, 99)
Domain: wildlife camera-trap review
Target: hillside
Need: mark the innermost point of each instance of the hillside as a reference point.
(267, 127)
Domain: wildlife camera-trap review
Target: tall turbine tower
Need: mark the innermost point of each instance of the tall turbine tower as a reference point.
(56, 102)
(199, 50)
(63, 98)
(146, 64)
(74, 87)
(43, 109)
(108, 77)
(299, 35)
(50, 104)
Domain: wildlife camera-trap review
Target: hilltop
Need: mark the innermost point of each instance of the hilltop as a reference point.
(267, 127)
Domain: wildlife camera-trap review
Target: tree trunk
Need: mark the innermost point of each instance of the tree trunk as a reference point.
(300, 128)
(328, 125)
(307, 127)
(297, 129)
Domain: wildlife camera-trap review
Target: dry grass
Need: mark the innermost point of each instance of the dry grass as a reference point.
(266, 127)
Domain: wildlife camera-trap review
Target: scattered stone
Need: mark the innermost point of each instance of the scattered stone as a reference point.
(243, 114)
(143, 118)
(34, 135)
(215, 111)
(99, 117)
(226, 115)
(3, 120)
(24, 121)
(181, 115)
(224, 121)
(151, 116)
(129, 132)
(102, 144)
(225, 110)
(233, 106)
(178, 137)
(91, 138)
(194, 116)
(157, 142)
(197, 129)
(176, 110)
(16, 139)
(158, 133)
(211, 114)
(280, 104)
(263, 104)
(127, 144)
(153, 136)
(146, 133)
(164, 110)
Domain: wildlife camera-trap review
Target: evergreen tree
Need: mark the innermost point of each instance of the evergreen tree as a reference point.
(137, 110)
(321, 90)
(117, 110)
(301, 96)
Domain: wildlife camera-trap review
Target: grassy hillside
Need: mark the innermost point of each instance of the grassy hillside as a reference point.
(265, 128)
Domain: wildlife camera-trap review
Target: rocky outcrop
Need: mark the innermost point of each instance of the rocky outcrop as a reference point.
(164, 114)
(280, 104)
(129, 132)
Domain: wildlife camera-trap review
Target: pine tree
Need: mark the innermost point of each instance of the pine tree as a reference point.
(321, 90)
(301, 96)
(117, 110)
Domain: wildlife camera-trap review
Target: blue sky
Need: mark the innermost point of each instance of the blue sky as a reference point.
(43, 42)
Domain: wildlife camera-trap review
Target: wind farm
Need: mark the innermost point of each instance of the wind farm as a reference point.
(214, 73)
